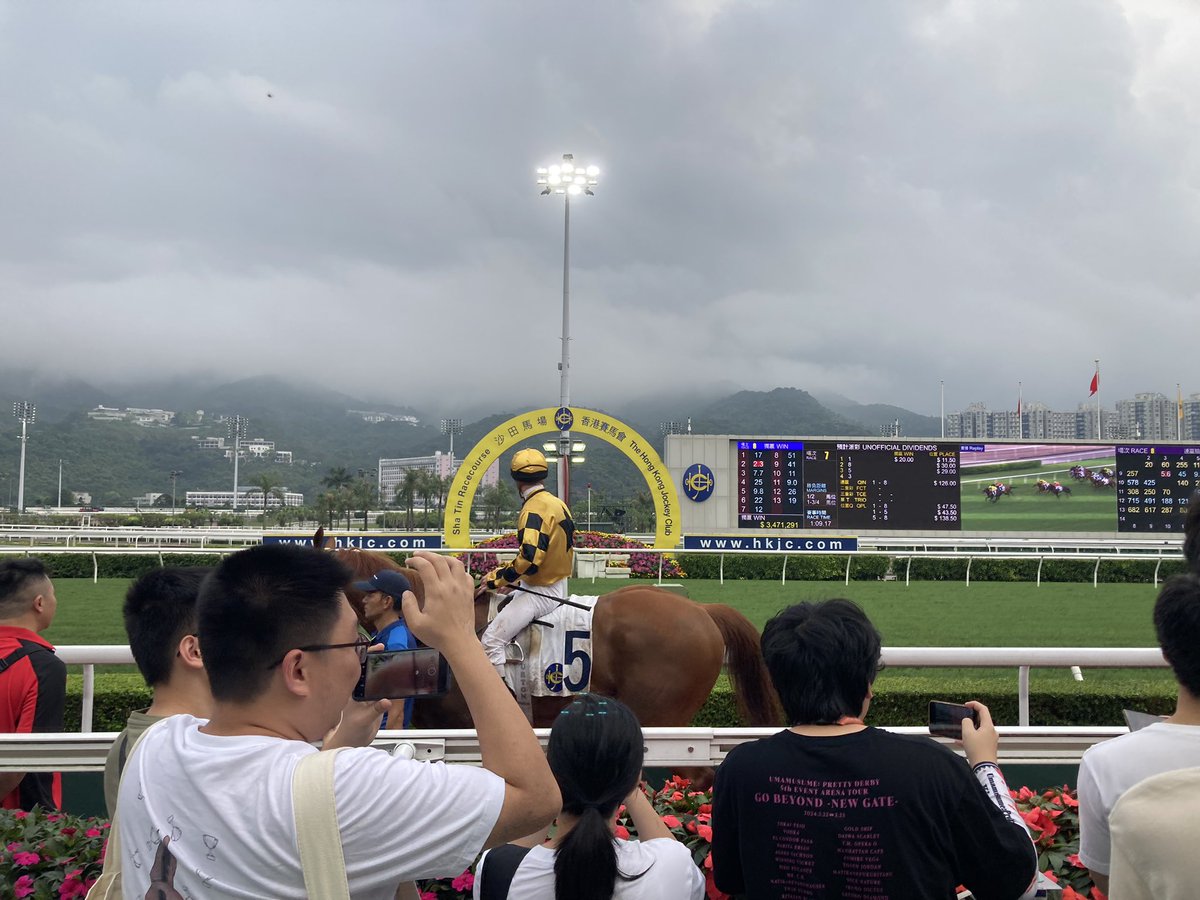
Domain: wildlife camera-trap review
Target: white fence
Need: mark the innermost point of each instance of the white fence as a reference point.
(1023, 658)
(664, 746)
(97, 542)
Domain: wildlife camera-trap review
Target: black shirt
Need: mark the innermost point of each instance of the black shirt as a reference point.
(868, 814)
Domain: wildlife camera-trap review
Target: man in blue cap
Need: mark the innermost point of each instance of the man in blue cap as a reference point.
(381, 611)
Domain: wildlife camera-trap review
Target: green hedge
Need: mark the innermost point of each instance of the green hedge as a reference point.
(909, 705)
(902, 705)
(116, 696)
(800, 567)
(117, 565)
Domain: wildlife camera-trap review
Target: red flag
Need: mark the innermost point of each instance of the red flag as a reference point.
(1095, 383)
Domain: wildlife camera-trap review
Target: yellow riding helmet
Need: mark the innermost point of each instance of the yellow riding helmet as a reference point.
(529, 465)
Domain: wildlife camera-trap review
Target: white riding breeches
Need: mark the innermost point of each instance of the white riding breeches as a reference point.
(522, 609)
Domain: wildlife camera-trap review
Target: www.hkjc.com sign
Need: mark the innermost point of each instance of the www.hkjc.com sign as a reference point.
(364, 541)
(823, 544)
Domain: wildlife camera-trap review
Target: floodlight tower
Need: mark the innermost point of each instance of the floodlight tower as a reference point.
(25, 412)
(175, 473)
(237, 426)
(452, 427)
(571, 180)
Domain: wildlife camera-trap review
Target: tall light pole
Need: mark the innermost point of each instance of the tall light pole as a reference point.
(452, 427)
(25, 412)
(175, 473)
(237, 430)
(570, 180)
(60, 484)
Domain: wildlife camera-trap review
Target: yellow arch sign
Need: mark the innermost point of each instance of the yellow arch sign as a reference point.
(586, 423)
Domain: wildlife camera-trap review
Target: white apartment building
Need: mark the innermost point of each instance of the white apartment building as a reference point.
(247, 498)
(391, 471)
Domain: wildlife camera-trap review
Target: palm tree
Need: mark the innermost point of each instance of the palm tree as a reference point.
(427, 486)
(363, 494)
(269, 485)
(407, 491)
(338, 477)
(495, 502)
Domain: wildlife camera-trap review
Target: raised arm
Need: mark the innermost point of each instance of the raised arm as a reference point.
(507, 744)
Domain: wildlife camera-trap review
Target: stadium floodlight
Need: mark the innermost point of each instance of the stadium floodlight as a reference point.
(570, 179)
(25, 412)
(452, 427)
(236, 426)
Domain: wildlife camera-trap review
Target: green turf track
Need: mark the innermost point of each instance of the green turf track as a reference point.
(925, 614)
(1086, 508)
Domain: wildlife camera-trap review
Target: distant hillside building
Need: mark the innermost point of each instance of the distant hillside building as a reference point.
(376, 417)
(147, 418)
(391, 471)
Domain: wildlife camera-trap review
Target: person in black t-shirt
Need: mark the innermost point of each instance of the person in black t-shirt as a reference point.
(834, 808)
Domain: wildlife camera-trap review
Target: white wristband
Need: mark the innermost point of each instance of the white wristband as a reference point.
(988, 774)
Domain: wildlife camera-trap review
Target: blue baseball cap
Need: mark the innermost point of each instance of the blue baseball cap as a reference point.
(387, 581)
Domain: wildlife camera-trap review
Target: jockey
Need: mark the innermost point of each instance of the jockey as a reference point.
(544, 559)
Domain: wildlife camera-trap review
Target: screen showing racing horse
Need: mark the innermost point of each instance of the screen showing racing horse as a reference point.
(852, 485)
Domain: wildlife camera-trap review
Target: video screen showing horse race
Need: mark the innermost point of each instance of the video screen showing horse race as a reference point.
(857, 485)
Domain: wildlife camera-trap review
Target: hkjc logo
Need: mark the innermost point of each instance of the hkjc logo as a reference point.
(553, 677)
(698, 482)
(564, 418)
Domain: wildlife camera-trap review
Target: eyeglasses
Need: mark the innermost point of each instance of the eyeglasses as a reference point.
(360, 646)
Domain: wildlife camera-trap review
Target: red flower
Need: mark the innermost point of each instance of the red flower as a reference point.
(464, 881)
(706, 832)
(671, 821)
(93, 832)
(26, 859)
(23, 886)
(622, 832)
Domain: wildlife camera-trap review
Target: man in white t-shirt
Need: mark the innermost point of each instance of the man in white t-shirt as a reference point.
(283, 653)
(1111, 768)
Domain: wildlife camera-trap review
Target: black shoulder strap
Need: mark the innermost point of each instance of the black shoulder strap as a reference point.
(17, 655)
(499, 868)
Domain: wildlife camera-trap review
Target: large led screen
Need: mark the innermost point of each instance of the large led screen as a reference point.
(859, 485)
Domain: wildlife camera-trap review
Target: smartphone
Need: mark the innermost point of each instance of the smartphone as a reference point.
(945, 719)
(400, 674)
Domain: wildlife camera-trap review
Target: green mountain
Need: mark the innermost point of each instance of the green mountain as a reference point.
(880, 417)
(115, 461)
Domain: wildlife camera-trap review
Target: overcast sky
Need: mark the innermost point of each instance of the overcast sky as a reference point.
(865, 198)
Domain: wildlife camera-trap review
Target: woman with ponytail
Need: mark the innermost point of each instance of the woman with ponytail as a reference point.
(595, 753)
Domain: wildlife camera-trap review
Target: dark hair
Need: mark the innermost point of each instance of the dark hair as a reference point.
(160, 608)
(1177, 623)
(260, 603)
(595, 752)
(1191, 532)
(823, 658)
(17, 589)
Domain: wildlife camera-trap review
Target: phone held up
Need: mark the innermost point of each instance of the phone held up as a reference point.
(945, 719)
(400, 674)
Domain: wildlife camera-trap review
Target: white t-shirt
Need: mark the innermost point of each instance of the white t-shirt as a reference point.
(1111, 768)
(226, 803)
(670, 873)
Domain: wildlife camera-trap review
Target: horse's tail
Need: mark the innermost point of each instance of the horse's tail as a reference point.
(757, 702)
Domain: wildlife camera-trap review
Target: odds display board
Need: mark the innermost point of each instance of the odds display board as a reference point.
(857, 485)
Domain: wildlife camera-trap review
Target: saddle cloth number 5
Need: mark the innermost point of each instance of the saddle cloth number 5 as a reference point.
(571, 653)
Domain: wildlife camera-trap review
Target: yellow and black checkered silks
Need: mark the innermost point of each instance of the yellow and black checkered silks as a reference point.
(546, 553)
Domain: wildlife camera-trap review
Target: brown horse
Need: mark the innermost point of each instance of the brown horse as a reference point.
(657, 652)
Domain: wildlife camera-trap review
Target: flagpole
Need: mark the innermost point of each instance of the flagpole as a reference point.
(1097, 399)
(943, 406)
(1020, 421)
